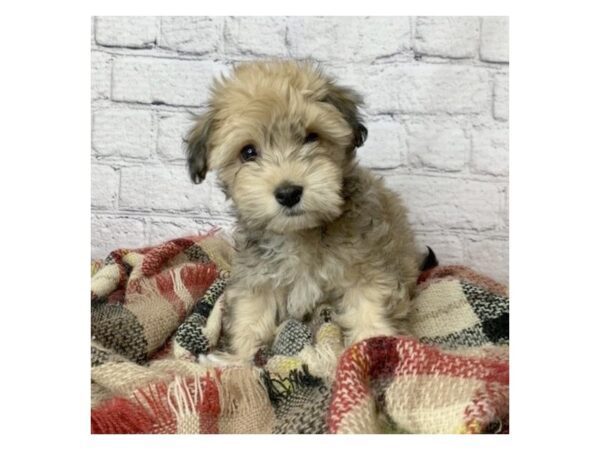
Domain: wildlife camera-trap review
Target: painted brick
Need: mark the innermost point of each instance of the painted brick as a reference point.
(165, 228)
(488, 256)
(101, 73)
(172, 129)
(256, 35)
(127, 133)
(449, 203)
(501, 97)
(494, 39)
(191, 34)
(122, 31)
(490, 151)
(506, 207)
(420, 88)
(348, 38)
(169, 188)
(438, 144)
(105, 187)
(112, 232)
(385, 147)
(450, 37)
(163, 80)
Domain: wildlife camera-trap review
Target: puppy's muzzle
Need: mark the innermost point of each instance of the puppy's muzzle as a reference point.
(288, 194)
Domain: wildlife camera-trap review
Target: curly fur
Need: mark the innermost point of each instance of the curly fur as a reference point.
(347, 242)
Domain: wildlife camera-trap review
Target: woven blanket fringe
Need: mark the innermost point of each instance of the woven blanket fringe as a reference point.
(241, 390)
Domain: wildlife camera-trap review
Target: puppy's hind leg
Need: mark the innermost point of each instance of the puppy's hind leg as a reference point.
(251, 322)
(371, 310)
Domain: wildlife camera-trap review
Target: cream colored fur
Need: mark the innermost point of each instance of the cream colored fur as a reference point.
(347, 242)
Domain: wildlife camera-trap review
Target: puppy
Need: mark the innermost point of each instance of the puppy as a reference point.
(312, 225)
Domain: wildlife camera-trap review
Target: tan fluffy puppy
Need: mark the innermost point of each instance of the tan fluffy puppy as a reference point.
(312, 225)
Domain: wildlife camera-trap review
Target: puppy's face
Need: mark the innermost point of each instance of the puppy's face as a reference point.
(281, 136)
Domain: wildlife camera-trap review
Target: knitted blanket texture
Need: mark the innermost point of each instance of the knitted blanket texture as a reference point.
(156, 322)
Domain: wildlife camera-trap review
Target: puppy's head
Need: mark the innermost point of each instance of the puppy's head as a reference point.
(281, 136)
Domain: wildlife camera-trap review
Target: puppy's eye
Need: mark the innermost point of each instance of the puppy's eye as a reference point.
(248, 153)
(311, 137)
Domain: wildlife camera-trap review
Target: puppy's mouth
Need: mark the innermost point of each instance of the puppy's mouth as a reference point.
(293, 212)
(296, 218)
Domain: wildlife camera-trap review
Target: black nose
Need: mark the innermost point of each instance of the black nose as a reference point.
(288, 194)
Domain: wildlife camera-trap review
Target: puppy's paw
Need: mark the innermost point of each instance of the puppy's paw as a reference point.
(243, 347)
(223, 359)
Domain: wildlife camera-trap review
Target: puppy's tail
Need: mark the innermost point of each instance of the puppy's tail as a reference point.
(430, 261)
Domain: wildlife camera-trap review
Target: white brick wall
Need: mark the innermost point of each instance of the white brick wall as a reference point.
(436, 91)
(449, 37)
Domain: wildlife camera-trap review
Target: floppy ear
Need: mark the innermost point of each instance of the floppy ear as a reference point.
(347, 101)
(197, 147)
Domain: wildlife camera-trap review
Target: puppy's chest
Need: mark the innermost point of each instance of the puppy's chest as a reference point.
(307, 273)
(296, 262)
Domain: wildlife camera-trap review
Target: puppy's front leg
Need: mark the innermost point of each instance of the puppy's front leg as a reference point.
(251, 322)
(370, 310)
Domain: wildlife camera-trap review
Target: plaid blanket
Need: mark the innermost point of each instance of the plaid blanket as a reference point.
(156, 322)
